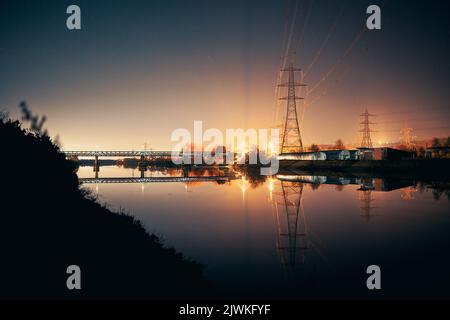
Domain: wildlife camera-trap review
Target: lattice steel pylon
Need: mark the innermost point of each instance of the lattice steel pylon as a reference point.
(366, 141)
(406, 136)
(292, 140)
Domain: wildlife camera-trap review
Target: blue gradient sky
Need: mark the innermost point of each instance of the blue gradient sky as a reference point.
(140, 69)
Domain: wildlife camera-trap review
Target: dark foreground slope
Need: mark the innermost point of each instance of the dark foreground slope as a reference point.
(47, 224)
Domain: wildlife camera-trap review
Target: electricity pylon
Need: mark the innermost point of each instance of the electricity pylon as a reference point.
(292, 140)
(366, 141)
(406, 136)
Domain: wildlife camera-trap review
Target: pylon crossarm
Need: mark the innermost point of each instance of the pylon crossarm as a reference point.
(291, 98)
(292, 84)
(291, 69)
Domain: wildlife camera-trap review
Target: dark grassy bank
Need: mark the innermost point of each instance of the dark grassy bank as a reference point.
(48, 223)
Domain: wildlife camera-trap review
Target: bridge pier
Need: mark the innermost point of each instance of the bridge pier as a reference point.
(96, 164)
(142, 166)
(186, 168)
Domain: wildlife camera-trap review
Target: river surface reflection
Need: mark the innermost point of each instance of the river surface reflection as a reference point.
(294, 235)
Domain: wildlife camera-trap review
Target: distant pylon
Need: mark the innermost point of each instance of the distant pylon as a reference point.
(366, 141)
(406, 136)
(292, 140)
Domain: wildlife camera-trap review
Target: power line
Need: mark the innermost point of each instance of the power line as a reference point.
(303, 27)
(285, 57)
(282, 55)
(325, 91)
(423, 129)
(339, 61)
(325, 42)
(413, 120)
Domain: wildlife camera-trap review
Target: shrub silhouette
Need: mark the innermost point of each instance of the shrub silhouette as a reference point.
(48, 223)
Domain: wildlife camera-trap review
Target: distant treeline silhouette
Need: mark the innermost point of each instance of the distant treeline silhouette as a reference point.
(48, 223)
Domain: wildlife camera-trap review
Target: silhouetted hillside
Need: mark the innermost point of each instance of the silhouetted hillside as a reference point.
(47, 224)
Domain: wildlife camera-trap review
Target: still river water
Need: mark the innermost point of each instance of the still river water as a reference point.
(295, 236)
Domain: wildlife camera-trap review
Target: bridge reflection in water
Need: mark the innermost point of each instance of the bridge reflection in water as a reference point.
(186, 173)
(156, 179)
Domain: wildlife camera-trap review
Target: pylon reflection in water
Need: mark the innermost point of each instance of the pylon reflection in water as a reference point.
(366, 199)
(290, 223)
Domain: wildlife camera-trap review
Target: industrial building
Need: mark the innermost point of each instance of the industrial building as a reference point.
(322, 155)
(437, 152)
(337, 154)
(303, 156)
(359, 154)
(385, 153)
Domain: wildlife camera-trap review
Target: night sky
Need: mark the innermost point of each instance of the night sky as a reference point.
(140, 69)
